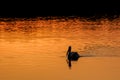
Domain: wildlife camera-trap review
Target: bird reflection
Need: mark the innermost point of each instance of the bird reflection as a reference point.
(69, 63)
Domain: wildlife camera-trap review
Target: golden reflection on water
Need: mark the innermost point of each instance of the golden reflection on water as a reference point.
(36, 49)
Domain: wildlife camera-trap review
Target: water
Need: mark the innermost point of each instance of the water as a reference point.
(36, 49)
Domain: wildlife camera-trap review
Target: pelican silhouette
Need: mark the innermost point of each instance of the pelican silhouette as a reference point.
(72, 55)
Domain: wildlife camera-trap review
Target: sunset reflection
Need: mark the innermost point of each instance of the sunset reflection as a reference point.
(35, 49)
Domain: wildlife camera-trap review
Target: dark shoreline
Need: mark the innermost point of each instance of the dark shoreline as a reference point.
(93, 18)
(47, 9)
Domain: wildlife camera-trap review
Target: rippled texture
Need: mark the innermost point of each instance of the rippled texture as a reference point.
(35, 49)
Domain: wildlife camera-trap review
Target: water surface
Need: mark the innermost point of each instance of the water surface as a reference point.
(36, 49)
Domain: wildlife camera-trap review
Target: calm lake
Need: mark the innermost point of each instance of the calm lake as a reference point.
(35, 49)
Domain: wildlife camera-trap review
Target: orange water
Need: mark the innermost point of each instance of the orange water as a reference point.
(36, 49)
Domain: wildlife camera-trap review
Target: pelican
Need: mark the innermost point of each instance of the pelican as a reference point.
(72, 55)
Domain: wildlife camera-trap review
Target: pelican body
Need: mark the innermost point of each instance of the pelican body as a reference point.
(72, 55)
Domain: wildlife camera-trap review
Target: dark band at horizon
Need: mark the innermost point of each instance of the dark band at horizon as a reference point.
(60, 10)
